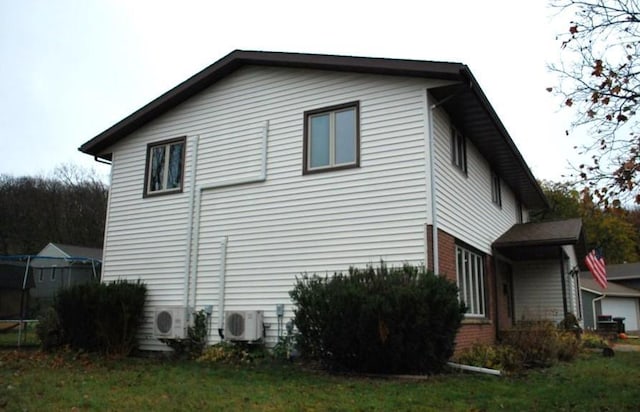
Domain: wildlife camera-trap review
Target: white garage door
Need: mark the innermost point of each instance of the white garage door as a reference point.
(623, 308)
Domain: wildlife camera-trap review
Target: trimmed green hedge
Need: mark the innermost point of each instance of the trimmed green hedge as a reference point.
(380, 320)
(101, 317)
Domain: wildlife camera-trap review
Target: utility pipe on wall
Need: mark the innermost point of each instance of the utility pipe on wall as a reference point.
(221, 277)
(192, 192)
(193, 240)
(432, 176)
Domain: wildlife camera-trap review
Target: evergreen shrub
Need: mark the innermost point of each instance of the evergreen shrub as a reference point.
(378, 319)
(101, 317)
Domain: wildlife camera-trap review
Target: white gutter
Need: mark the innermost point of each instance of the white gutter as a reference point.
(475, 369)
(192, 192)
(427, 171)
(194, 221)
(106, 225)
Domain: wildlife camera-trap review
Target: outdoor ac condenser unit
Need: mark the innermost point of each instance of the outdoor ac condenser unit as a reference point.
(169, 322)
(243, 325)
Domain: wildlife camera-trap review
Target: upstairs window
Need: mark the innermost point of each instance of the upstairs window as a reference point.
(519, 217)
(332, 138)
(471, 283)
(458, 150)
(496, 195)
(165, 167)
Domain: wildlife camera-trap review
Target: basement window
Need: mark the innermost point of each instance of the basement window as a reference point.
(164, 171)
(332, 138)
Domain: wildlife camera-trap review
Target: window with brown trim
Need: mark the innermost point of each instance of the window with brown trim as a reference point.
(164, 172)
(471, 281)
(458, 150)
(332, 138)
(496, 193)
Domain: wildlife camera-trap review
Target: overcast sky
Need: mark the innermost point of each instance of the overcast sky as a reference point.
(70, 69)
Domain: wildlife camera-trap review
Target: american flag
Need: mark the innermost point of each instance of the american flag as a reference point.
(595, 263)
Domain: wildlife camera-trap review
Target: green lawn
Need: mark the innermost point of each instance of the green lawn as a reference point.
(30, 380)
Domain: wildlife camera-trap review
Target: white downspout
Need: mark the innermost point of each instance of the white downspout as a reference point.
(432, 175)
(222, 275)
(188, 257)
(194, 219)
(106, 226)
(477, 369)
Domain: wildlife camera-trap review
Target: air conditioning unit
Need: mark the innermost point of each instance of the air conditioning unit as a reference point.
(169, 322)
(243, 325)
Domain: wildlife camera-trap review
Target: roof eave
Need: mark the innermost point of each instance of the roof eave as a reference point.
(98, 145)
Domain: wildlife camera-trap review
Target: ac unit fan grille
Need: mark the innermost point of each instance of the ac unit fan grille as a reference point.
(164, 321)
(235, 324)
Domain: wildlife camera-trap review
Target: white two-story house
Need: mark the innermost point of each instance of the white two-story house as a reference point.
(266, 165)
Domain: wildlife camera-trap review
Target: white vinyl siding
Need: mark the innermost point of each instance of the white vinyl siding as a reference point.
(288, 225)
(537, 289)
(464, 202)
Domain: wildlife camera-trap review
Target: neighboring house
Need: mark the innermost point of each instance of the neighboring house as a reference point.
(615, 301)
(59, 266)
(621, 298)
(265, 166)
(625, 274)
(28, 283)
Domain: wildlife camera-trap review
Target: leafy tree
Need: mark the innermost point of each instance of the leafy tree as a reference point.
(564, 202)
(67, 208)
(612, 229)
(600, 82)
(615, 229)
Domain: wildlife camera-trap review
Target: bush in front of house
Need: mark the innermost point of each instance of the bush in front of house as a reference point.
(501, 357)
(101, 317)
(541, 343)
(378, 319)
(530, 344)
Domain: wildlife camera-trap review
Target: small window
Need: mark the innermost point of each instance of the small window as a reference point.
(471, 283)
(519, 218)
(53, 274)
(496, 195)
(165, 167)
(40, 275)
(458, 150)
(332, 138)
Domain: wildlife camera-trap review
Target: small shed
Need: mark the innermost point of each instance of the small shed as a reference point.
(59, 266)
(28, 283)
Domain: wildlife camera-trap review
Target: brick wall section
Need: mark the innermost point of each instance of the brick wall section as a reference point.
(472, 330)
